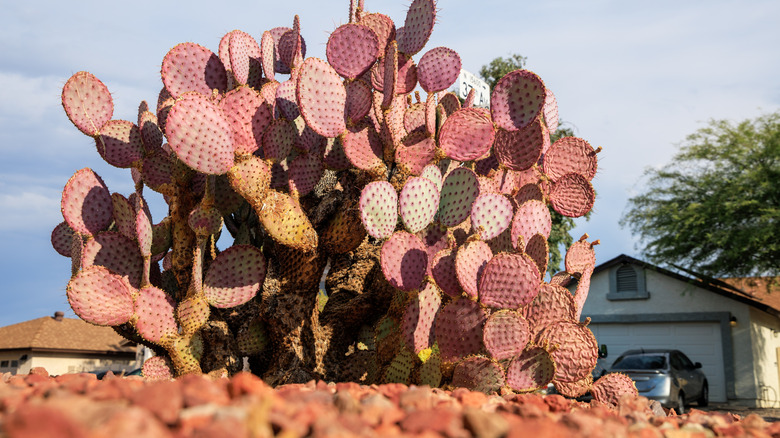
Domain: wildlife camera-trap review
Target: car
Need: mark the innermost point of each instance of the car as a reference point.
(665, 375)
(102, 374)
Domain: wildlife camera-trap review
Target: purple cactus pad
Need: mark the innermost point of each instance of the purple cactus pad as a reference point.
(404, 261)
(470, 262)
(418, 202)
(467, 134)
(235, 276)
(100, 297)
(86, 203)
(321, 97)
(517, 100)
(509, 281)
(491, 214)
(458, 329)
(87, 102)
(192, 67)
(438, 69)
(352, 49)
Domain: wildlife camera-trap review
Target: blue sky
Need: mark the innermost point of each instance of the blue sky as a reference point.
(632, 77)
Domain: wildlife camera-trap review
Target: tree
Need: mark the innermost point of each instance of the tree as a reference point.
(715, 208)
(560, 236)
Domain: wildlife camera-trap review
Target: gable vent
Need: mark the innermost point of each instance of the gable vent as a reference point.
(626, 279)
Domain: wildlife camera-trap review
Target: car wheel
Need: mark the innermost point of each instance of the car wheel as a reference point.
(680, 403)
(703, 400)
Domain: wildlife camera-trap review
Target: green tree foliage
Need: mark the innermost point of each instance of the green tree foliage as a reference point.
(715, 208)
(560, 237)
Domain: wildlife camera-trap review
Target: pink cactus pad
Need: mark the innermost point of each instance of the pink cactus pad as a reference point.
(553, 303)
(404, 261)
(151, 134)
(414, 118)
(157, 368)
(62, 239)
(610, 388)
(267, 55)
(418, 26)
(577, 351)
(379, 209)
(86, 202)
(352, 49)
(235, 276)
(468, 102)
(205, 221)
(334, 156)
(268, 93)
(580, 257)
(415, 152)
(286, 100)
(574, 389)
(124, 215)
(517, 100)
(321, 97)
(418, 202)
(572, 195)
(156, 171)
(550, 110)
(87, 102)
(206, 150)
(358, 101)
(100, 297)
(308, 140)
(417, 322)
(117, 253)
(404, 78)
(433, 173)
(538, 249)
(532, 217)
(501, 243)
(279, 65)
(467, 134)
(491, 214)
(304, 173)
(248, 113)
(521, 149)
(278, 140)
(443, 271)
(438, 69)
(458, 192)
(143, 227)
(363, 147)
(245, 59)
(192, 67)
(506, 334)
(291, 46)
(470, 262)
(383, 27)
(155, 311)
(119, 143)
(435, 238)
(479, 373)
(570, 155)
(458, 329)
(430, 114)
(528, 192)
(450, 102)
(509, 281)
(533, 369)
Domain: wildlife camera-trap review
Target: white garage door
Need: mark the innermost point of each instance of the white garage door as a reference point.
(700, 341)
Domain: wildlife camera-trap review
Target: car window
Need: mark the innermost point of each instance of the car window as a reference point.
(677, 363)
(686, 363)
(640, 362)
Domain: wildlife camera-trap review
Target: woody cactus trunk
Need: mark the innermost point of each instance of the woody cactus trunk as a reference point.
(309, 164)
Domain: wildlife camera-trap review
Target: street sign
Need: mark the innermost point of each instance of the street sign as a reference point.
(468, 81)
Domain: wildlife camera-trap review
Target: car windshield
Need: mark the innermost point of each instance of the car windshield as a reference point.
(640, 362)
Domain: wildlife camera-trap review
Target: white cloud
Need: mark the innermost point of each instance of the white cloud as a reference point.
(29, 210)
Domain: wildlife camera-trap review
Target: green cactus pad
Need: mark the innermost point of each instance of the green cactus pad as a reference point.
(532, 370)
(321, 97)
(245, 59)
(570, 155)
(550, 110)
(100, 297)
(467, 134)
(192, 67)
(248, 114)
(400, 368)
(417, 322)
(304, 173)
(120, 143)
(521, 149)
(572, 195)
(157, 368)
(418, 26)
(609, 389)
(438, 69)
(352, 49)
(383, 27)
(491, 214)
(379, 209)
(415, 152)
(443, 271)
(252, 338)
(206, 150)
(509, 281)
(577, 350)
(458, 329)
(506, 334)
(517, 100)
(117, 253)
(532, 217)
(404, 261)
(155, 311)
(458, 192)
(87, 102)
(418, 202)
(479, 373)
(358, 102)
(387, 338)
(284, 219)
(62, 239)
(86, 202)
(470, 262)
(429, 373)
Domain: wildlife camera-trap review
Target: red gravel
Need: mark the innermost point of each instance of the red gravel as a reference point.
(79, 405)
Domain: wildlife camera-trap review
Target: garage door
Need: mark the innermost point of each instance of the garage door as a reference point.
(700, 341)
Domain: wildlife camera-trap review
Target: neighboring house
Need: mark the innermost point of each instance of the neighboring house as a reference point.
(733, 332)
(63, 345)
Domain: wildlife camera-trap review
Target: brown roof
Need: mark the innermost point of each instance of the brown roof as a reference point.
(50, 333)
(763, 289)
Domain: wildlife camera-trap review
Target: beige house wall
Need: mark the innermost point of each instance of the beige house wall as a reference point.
(57, 363)
(765, 334)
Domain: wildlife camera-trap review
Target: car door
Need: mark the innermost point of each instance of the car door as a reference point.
(693, 377)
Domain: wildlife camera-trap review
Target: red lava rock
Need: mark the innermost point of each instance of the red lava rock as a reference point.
(247, 383)
(198, 390)
(162, 398)
(484, 424)
(132, 422)
(220, 427)
(41, 421)
(39, 371)
(77, 383)
(557, 403)
(539, 428)
(444, 421)
(470, 398)
(416, 398)
(392, 390)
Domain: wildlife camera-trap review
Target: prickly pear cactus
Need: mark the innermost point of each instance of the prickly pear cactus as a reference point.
(426, 218)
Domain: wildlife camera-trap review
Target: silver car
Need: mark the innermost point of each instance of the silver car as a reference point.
(665, 375)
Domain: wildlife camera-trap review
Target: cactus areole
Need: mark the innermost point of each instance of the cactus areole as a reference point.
(413, 210)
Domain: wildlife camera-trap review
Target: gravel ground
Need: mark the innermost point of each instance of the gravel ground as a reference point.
(768, 414)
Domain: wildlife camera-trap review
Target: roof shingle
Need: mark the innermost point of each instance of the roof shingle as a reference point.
(50, 333)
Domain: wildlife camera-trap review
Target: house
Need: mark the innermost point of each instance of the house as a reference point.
(64, 345)
(732, 329)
